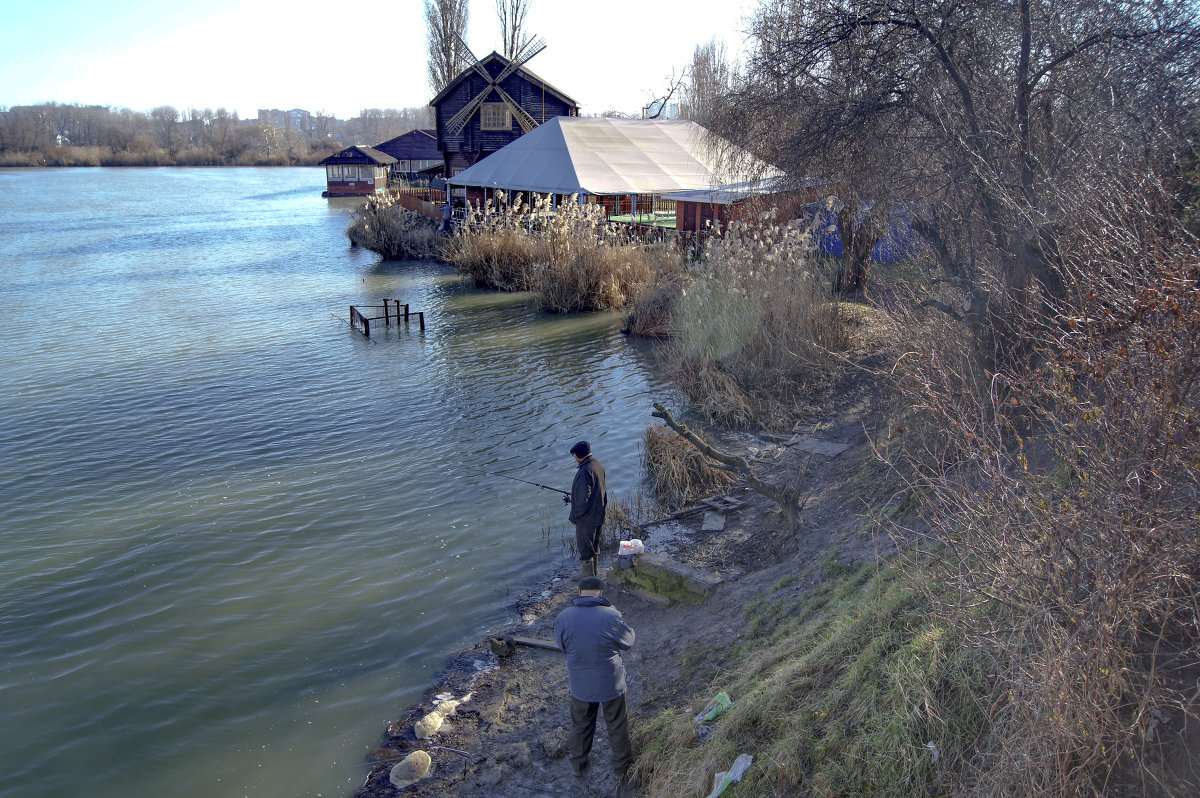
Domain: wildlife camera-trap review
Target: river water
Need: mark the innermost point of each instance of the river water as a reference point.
(237, 537)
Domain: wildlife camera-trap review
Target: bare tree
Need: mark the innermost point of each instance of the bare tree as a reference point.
(512, 15)
(999, 119)
(165, 119)
(708, 82)
(446, 27)
(660, 105)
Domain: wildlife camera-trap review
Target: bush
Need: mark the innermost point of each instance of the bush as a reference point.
(756, 326)
(395, 232)
(566, 256)
(1064, 490)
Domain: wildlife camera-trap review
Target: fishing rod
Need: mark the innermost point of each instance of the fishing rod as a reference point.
(566, 494)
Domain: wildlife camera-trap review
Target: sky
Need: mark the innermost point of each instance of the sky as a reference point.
(334, 57)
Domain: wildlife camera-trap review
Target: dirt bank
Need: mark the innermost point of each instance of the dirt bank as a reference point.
(509, 738)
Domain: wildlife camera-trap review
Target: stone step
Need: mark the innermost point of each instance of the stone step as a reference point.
(661, 576)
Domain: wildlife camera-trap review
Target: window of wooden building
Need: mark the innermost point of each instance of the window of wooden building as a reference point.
(495, 116)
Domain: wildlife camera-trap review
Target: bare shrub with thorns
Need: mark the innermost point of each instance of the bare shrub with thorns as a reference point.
(1063, 493)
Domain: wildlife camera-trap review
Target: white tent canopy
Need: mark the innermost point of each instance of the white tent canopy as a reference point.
(577, 155)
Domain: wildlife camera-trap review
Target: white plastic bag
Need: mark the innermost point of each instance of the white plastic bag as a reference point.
(629, 547)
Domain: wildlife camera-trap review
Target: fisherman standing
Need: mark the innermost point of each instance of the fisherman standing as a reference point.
(593, 633)
(589, 499)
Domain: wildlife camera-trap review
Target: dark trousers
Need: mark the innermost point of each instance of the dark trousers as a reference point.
(583, 731)
(587, 538)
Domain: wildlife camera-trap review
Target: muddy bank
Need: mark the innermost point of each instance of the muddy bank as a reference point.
(507, 736)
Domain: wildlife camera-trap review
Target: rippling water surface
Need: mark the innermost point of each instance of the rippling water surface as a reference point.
(237, 537)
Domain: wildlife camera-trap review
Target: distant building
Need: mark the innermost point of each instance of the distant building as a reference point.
(296, 119)
(299, 119)
(356, 171)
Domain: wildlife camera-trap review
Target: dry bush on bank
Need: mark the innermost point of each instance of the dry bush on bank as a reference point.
(578, 270)
(649, 314)
(564, 255)
(1062, 492)
(493, 246)
(393, 231)
(756, 326)
(679, 473)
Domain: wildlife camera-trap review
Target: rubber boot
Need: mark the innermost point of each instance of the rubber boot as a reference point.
(587, 567)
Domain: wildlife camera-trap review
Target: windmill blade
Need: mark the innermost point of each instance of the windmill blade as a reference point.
(476, 64)
(526, 121)
(459, 120)
(531, 48)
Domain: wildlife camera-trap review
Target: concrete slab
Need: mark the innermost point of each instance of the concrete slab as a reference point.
(661, 576)
(713, 522)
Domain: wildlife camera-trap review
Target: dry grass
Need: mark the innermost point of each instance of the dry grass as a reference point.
(679, 474)
(835, 695)
(383, 226)
(756, 327)
(565, 256)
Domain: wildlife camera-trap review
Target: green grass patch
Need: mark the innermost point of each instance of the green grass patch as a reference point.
(666, 220)
(838, 694)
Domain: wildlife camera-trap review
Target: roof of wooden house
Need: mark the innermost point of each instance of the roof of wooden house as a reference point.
(415, 145)
(522, 71)
(359, 153)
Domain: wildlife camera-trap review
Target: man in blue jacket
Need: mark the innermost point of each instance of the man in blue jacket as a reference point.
(589, 500)
(593, 634)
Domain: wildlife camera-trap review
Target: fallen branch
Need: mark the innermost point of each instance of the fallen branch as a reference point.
(787, 497)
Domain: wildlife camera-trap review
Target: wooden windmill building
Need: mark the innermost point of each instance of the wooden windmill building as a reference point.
(492, 103)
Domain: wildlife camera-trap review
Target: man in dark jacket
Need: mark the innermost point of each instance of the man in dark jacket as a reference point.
(589, 499)
(593, 634)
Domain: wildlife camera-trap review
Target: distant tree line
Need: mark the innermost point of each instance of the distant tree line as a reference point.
(56, 134)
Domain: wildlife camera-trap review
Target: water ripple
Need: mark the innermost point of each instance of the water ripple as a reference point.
(238, 535)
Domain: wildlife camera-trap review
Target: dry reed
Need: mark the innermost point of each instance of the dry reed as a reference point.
(756, 326)
(565, 255)
(381, 225)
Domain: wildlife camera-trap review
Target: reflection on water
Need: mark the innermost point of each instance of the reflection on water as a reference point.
(237, 535)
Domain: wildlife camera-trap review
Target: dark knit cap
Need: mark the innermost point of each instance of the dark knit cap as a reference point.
(581, 449)
(591, 583)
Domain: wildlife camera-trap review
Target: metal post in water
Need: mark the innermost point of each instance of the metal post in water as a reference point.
(387, 318)
(421, 317)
